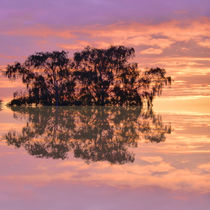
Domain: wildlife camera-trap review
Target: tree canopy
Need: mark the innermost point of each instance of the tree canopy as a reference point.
(92, 77)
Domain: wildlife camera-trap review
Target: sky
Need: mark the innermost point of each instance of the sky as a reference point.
(174, 35)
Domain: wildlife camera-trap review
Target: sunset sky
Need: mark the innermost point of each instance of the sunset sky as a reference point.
(172, 174)
(174, 35)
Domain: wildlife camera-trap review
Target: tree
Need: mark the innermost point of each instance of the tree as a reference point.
(151, 83)
(102, 70)
(93, 77)
(106, 77)
(47, 77)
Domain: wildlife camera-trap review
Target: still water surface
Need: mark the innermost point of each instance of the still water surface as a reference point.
(103, 158)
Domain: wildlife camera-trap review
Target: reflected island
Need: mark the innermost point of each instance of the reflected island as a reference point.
(92, 133)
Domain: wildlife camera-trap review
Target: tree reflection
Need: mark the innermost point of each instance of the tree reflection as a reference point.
(0, 105)
(90, 133)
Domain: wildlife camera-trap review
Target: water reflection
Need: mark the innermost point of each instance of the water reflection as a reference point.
(90, 133)
(0, 105)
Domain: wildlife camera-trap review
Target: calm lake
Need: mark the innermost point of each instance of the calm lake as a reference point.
(104, 158)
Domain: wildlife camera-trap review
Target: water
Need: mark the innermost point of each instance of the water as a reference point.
(103, 158)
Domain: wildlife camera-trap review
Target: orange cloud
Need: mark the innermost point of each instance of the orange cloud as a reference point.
(151, 51)
(138, 33)
(135, 176)
(205, 42)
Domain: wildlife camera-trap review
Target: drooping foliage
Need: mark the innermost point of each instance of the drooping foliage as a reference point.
(92, 77)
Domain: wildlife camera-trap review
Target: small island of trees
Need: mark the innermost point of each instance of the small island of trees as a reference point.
(92, 77)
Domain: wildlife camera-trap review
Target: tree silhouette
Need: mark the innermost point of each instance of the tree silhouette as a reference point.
(90, 133)
(92, 77)
(47, 77)
(103, 71)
